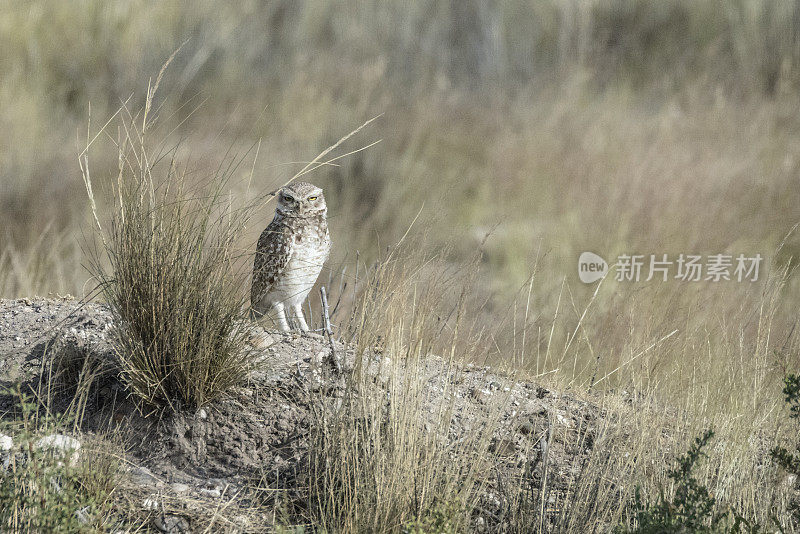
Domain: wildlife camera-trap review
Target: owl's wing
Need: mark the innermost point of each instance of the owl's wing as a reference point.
(274, 249)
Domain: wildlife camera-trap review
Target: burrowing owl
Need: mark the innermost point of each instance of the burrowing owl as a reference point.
(290, 254)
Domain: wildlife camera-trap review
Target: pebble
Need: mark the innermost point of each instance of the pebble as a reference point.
(216, 483)
(319, 357)
(177, 487)
(261, 340)
(142, 476)
(563, 420)
(6, 443)
(83, 515)
(503, 447)
(171, 524)
(481, 395)
(385, 372)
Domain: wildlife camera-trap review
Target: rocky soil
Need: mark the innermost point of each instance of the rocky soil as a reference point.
(211, 467)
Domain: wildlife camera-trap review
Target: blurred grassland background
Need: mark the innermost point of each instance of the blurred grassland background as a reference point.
(530, 131)
(523, 132)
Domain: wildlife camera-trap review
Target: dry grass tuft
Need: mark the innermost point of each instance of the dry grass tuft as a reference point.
(380, 456)
(173, 281)
(383, 457)
(178, 298)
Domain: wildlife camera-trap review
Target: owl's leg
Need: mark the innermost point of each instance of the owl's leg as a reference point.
(280, 311)
(298, 316)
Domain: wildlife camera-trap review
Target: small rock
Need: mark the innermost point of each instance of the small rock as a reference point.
(150, 503)
(216, 483)
(319, 357)
(261, 340)
(83, 515)
(533, 408)
(503, 447)
(385, 371)
(61, 446)
(177, 487)
(202, 414)
(171, 524)
(6, 443)
(242, 521)
(142, 476)
(563, 420)
(317, 380)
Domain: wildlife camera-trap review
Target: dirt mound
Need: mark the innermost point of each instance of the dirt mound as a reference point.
(259, 433)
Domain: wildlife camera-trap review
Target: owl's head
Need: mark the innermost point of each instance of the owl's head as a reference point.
(301, 199)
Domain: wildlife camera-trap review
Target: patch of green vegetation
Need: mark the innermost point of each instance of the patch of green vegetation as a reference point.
(790, 461)
(50, 490)
(442, 518)
(692, 509)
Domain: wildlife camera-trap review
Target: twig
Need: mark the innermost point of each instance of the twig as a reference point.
(327, 326)
(544, 445)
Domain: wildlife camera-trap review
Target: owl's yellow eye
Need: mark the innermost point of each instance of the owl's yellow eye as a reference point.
(312, 198)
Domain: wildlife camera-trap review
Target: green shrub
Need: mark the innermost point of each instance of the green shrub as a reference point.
(692, 509)
(442, 518)
(790, 461)
(42, 491)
